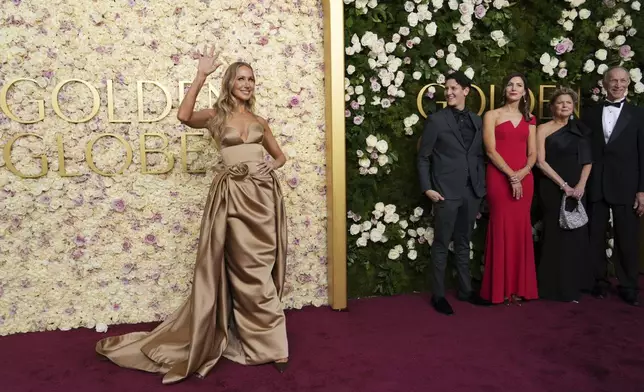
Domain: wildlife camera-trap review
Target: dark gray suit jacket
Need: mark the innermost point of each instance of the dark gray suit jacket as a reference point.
(443, 161)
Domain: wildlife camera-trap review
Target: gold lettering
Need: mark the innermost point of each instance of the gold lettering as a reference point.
(95, 104)
(144, 151)
(7, 158)
(421, 94)
(211, 91)
(5, 106)
(185, 151)
(483, 101)
(492, 97)
(542, 99)
(110, 104)
(89, 154)
(61, 158)
(139, 93)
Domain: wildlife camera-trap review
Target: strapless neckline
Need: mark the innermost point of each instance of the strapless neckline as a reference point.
(239, 134)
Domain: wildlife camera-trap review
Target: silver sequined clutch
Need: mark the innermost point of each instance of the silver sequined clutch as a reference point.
(570, 220)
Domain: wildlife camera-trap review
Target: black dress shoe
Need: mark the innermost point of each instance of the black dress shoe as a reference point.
(476, 299)
(599, 292)
(442, 306)
(630, 299)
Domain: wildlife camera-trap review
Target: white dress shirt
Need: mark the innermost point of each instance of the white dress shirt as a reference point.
(610, 115)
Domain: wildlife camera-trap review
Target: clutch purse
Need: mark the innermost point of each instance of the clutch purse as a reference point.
(570, 220)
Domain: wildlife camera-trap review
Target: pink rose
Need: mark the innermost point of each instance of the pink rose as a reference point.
(560, 48)
(480, 11)
(625, 51)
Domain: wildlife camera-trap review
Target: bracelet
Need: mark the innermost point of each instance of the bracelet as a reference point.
(565, 184)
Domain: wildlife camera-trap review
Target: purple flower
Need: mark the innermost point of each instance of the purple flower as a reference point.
(17, 2)
(176, 229)
(294, 101)
(358, 120)
(409, 44)
(150, 239)
(175, 59)
(347, 113)
(293, 181)
(560, 48)
(48, 74)
(625, 51)
(80, 240)
(77, 254)
(355, 105)
(263, 40)
(157, 217)
(116, 307)
(118, 205)
(44, 199)
(132, 3)
(127, 246)
(480, 11)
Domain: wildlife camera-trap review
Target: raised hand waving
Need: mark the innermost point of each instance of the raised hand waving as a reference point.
(208, 62)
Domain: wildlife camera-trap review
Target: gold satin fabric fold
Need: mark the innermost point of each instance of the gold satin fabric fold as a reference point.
(234, 309)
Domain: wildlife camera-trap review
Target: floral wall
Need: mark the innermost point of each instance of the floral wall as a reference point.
(81, 249)
(395, 49)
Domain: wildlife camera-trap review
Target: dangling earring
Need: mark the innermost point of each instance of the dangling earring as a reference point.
(524, 100)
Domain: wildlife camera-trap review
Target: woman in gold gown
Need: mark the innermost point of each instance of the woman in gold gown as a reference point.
(234, 309)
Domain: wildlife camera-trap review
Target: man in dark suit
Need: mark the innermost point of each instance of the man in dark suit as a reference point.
(452, 175)
(616, 183)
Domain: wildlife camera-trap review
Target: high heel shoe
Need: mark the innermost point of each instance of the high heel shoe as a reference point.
(516, 300)
(281, 366)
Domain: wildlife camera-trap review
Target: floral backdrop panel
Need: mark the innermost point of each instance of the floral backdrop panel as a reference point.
(102, 189)
(398, 54)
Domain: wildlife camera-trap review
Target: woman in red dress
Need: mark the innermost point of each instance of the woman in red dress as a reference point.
(509, 134)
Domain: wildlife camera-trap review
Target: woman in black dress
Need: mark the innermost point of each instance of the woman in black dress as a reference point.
(564, 157)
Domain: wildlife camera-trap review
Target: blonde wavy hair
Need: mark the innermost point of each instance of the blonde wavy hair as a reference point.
(226, 102)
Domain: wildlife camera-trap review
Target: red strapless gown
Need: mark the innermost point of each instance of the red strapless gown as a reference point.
(509, 252)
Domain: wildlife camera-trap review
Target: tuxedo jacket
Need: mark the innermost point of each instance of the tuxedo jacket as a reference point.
(618, 165)
(444, 163)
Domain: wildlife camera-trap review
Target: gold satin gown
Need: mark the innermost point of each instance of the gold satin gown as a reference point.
(234, 309)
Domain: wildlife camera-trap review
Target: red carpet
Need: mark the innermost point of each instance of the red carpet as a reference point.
(382, 344)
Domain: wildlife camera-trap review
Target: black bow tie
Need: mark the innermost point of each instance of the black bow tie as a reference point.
(616, 104)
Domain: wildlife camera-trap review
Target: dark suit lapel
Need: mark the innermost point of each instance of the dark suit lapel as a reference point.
(622, 122)
(451, 121)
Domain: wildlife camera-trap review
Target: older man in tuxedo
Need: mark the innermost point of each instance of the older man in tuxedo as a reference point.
(451, 169)
(616, 183)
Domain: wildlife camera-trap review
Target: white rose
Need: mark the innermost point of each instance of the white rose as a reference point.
(403, 224)
(544, 59)
(361, 242)
(603, 37)
(568, 25)
(601, 54)
(409, 6)
(636, 75)
(416, 75)
(412, 19)
(364, 162)
(432, 62)
(502, 42)
(390, 47)
(440, 53)
(382, 146)
(371, 141)
(631, 32)
(395, 38)
(418, 211)
(355, 229)
(584, 14)
(404, 31)
(430, 29)
(638, 88)
(351, 69)
(469, 72)
(412, 255)
(383, 160)
(635, 5)
(366, 225)
(620, 40)
(496, 35)
(452, 4)
(451, 48)
(589, 66)
(393, 254)
(101, 327)
(602, 68)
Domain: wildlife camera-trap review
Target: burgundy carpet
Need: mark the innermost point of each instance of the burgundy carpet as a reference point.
(381, 344)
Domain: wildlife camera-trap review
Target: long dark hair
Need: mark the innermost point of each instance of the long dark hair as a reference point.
(524, 103)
